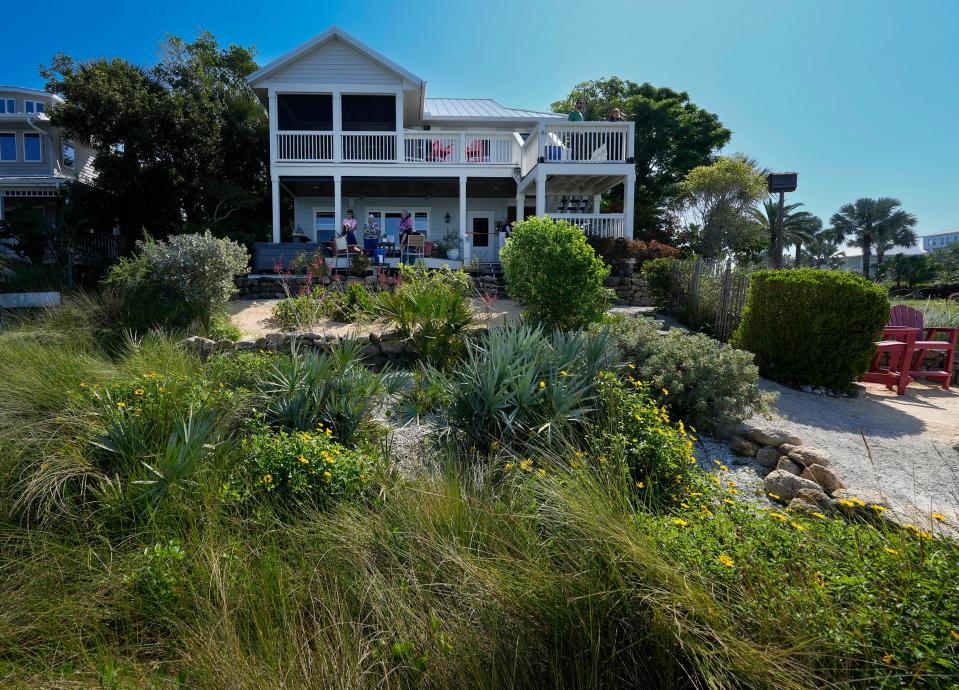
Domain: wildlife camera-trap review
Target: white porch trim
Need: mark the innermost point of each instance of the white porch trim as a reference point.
(462, 209)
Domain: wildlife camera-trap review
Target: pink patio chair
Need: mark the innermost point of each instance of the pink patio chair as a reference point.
(902, 316)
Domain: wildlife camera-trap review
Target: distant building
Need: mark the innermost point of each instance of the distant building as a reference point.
(939, 240)
(853, 262)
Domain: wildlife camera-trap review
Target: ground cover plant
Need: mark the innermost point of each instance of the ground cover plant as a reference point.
(599, 556)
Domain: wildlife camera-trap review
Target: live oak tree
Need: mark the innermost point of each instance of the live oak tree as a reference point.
(180, 146)
(673, 136)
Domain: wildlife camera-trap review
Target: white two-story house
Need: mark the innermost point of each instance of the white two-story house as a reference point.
(352, 130)
(36, 160)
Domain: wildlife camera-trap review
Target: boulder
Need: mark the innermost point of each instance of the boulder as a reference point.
(198, 344)
(771, 436)
(857, 495)
(768, 456)
(823, 476)
(818, 497)
(786, 485)
(800, 504)
(741, 446)
(789, 466)
(809, 456)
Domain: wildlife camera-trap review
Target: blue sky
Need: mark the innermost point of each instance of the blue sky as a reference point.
(861, 97)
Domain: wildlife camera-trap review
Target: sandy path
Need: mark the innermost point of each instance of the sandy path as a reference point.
(252, 317)
(911, 447)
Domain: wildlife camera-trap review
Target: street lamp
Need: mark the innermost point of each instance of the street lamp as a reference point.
(782, 183)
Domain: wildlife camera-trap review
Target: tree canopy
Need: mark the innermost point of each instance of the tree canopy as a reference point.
(720, 197)
(873, 224)
(673, 136)
(181, 146)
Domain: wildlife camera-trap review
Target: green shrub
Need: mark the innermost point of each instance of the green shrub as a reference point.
(239, 369)
(519, 386)
(637, 433)
(702, 381)
(302, 465)
(300, 313)
(175, 283)
(458, 279)
(618, 248)
(554, 273)
(432, 315)
(811, 327)
(348, 303)
(333, 389)
(158, 581)
(656, 273)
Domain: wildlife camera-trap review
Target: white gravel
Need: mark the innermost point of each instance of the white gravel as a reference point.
(907, 447)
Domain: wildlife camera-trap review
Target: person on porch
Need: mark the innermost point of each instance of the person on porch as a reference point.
(349, 228)
(406, 226)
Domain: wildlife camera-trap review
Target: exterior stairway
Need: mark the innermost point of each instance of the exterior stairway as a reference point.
(491, 280)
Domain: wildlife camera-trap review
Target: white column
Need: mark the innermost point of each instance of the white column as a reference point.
(337, 127)
(629, 203)
(275, 183)
(337, 203)
(540, 191)
(520, 205)
(400, 145)
(597, 203)
(467, 248)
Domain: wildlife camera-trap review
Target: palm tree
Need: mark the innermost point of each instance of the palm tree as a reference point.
(894, 231)
(824, 251)
(863, 221)
(798, 227)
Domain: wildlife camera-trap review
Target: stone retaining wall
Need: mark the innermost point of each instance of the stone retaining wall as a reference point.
(630, 290)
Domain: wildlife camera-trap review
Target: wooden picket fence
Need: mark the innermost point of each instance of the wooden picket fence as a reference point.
(708, 296)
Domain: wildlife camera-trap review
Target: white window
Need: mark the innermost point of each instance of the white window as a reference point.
(34, 106)
(389, 220)
(68, 154)
(8, 105)
(323, 221)
(32, 147)
(8, 146)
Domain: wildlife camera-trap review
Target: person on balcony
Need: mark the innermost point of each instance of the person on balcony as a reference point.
(577, 114)
(616, 115)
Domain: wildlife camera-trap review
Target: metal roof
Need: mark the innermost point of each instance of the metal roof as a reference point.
(478, 108)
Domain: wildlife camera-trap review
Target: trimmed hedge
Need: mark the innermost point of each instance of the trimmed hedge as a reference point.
(812, 327)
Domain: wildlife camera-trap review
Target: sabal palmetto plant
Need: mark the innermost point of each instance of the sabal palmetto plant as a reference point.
(799, 227)
(873, 223)
(520, 384)
(910, 269)
(333, 389)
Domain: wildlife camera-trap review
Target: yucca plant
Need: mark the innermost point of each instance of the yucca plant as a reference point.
(520, 384)
(333, 388)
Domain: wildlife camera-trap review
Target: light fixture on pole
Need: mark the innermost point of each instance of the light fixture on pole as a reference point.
(781, 183)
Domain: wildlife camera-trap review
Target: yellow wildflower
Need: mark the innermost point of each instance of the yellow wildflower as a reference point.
(778, 516)
(83, 385)
(878, 508)
(267, 478)
(726, 560)
(772, 495)
(938, 516)
(820, 580)
(684, 505)
(889, 659)
(665, 392)
(631, 366)
(526, 465)
(303, 459)
(891, 550)
(327, 474)
(857, 501)
(541, 472)
(729, 502)
(843, 501)
(955, 634)
(680, 522)
(640, 485)
(121, 405)
(796, 525)
(542, 385)
(819, 515)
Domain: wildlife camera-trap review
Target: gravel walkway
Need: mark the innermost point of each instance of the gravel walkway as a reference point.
(907, 447)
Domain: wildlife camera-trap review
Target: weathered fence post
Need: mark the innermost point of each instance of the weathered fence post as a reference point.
(694, 290)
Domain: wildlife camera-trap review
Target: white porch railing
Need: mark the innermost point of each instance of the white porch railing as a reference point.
(304, 146)
(598, 224)
(578, 142)
(369, 147)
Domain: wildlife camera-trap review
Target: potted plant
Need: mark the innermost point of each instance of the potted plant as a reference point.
(450, 244)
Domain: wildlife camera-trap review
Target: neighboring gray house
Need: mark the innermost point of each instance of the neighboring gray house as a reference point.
(940, 240)
(36, 160)
(351, 129)
(853, 262)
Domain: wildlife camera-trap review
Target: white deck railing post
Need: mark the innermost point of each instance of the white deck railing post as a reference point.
(467, 249)
(337, 127)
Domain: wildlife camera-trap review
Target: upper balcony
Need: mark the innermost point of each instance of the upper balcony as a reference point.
(583, 143)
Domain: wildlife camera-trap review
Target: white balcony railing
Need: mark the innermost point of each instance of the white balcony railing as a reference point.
(369, 147)
(459, 148)
(598, 224)
(310, 147)
(578, 142)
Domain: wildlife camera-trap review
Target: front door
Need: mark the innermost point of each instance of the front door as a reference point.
(482, 232)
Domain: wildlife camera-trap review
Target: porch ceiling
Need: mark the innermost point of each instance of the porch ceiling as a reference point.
(479, 187)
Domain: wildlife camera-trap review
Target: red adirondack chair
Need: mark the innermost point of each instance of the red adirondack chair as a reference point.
(902, 316)
(897, 345)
